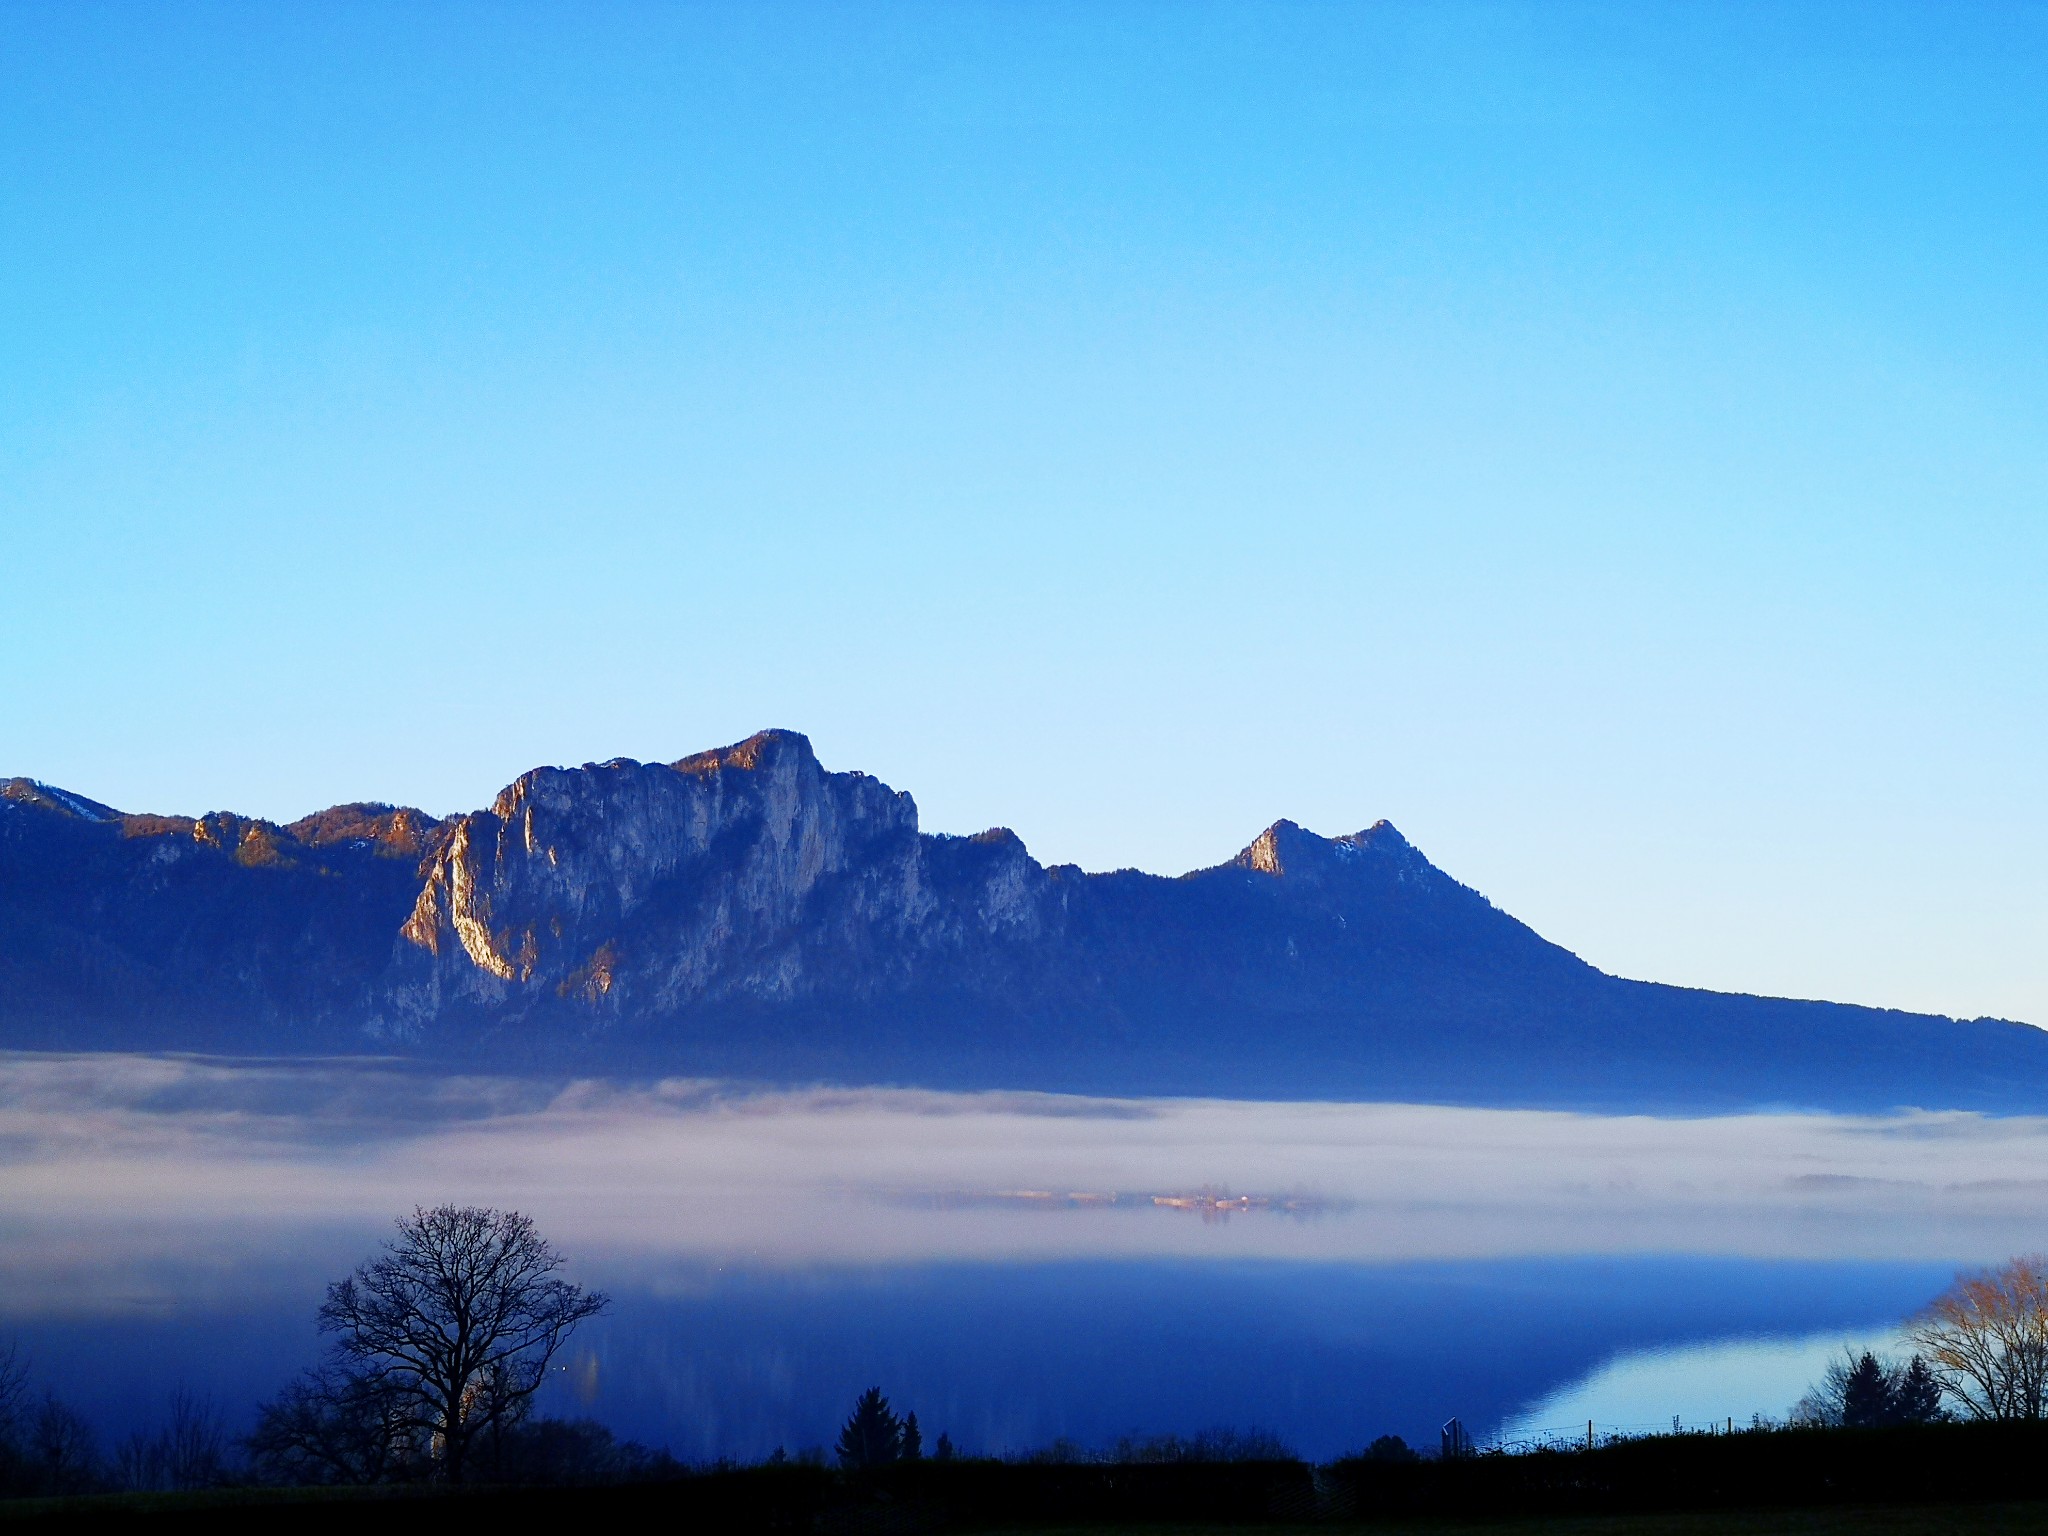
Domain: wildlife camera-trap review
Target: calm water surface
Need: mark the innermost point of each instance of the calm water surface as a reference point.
(1016, 1268)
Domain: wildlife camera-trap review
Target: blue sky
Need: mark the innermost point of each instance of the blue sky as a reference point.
(1607, 441)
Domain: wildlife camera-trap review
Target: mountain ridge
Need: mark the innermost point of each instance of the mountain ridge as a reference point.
(745, 911)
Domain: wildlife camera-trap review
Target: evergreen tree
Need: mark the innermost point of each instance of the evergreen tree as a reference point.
(872, 1436)
(1916, 1395)
(943, 1451)
(1866, 1394)
(913, 1440)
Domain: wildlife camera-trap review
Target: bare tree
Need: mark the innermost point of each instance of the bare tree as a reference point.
(61, 1450)
(13, 1391)
(190, 1449)
(459, 1318)
(14, 1474)
(332, 1425)
(1986, 1340)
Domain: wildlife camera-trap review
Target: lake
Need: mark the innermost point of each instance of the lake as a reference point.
(1017, 1268)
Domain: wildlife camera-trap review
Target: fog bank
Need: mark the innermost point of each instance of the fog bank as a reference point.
(127, 1180)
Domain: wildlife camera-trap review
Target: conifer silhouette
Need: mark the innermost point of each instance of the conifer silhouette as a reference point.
(1916, 1395)
(872, 1435)
(1866, 1394)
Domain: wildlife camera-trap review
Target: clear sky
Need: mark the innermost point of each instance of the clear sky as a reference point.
(1608, 441)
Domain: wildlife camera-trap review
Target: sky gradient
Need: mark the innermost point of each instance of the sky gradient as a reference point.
(1609, 442)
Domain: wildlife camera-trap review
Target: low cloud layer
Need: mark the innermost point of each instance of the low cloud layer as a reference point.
(125, 1180)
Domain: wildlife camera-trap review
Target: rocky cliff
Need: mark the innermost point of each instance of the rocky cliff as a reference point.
(746, 911)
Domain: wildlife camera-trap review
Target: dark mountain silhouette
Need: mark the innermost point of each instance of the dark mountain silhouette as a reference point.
(746, 912)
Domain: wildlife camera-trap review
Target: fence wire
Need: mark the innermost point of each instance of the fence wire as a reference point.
(1591, 1434)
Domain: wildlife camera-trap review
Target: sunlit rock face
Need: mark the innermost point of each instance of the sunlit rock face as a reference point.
(747, 874)
(747, 912)
(752, 885)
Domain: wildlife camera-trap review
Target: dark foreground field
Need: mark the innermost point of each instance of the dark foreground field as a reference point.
(603, 1509)
(1931, 1479)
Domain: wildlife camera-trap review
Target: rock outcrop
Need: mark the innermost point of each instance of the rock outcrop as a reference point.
(746, 911)
(744, 875)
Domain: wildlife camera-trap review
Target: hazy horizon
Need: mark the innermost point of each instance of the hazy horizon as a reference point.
(1018, 1265)
(119, 1163)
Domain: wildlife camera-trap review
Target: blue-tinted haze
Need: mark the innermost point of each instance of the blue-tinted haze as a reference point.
(1017, 1268)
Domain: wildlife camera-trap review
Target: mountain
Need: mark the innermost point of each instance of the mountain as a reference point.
(746, 912)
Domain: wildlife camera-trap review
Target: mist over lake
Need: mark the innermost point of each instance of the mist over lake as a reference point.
(1018, 1266)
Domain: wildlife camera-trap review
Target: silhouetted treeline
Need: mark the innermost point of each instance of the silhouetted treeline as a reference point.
(1217, 1445)
(1943, 1464)
(1864, 1392)
(1937, 1463)
(1201, 1480)
(45, 1446)
(48, 1449)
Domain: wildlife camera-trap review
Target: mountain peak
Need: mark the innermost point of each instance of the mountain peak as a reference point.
(1268, 852)
(769, 748)
(50, 798)
(1380, 833)
(1287, 848)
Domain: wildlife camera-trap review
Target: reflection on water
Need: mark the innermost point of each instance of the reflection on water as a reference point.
(1716, 1385)
(1011, 1356)
(1326, 1355)
(1016, 1267)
